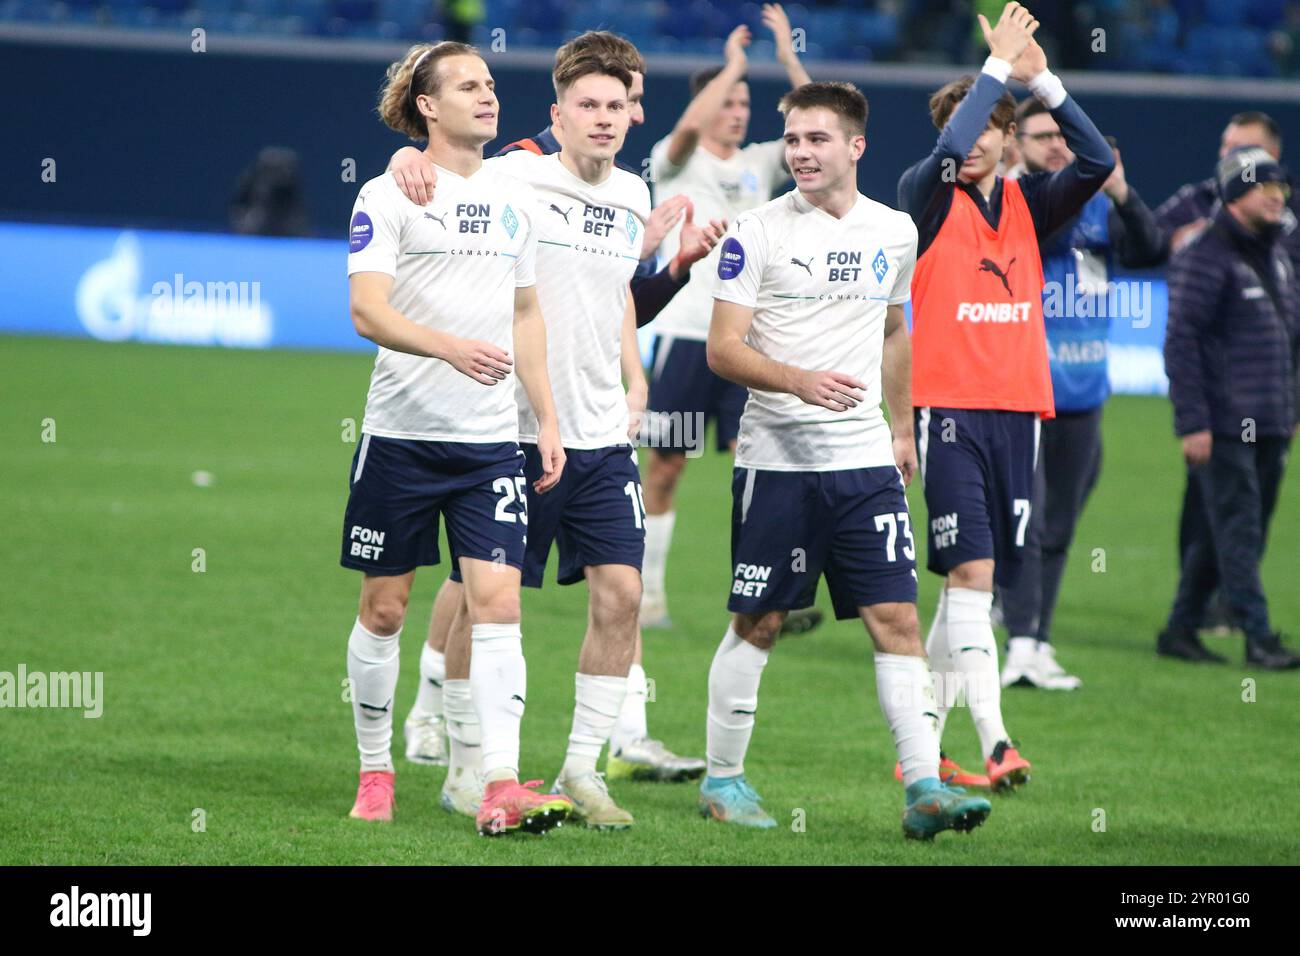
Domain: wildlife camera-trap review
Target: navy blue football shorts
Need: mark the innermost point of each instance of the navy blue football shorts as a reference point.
(685, 394)
(595, 514)
(977, 468)
(788, 528)
(399, 488)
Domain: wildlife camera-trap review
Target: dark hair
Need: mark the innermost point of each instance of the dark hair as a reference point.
(1029, 106)
(1258, 118)
(577, 65)
(702, 78)
(945, 100)
(605, 44)
(843, 99)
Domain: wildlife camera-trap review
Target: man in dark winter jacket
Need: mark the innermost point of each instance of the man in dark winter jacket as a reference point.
(1231, 356)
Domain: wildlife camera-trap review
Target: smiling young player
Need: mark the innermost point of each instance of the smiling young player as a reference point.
(808, 315)
(706, 158)
(633, 753)
(447, 293)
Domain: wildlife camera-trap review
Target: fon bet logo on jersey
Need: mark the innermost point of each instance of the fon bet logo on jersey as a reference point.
(588, 248)
(455, 264)
(811, 280)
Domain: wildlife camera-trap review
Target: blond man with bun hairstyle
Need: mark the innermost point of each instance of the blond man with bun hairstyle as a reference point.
(596, 59)
(448, 294)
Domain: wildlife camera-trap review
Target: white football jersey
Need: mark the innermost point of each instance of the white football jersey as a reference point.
(719, 189)
(456, 264)
(819, 287)
(589, 243)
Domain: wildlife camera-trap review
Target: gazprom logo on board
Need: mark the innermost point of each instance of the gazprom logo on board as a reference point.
(112, 307)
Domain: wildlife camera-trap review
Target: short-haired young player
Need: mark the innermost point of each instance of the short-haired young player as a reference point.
(447, 293)
(981, 379)
(705, 158)
(808, 315)
(633, 753)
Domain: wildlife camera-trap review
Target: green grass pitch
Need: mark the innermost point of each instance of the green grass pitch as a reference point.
(223, 689)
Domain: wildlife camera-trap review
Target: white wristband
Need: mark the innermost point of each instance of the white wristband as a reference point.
(997, 68)
(1049, 89)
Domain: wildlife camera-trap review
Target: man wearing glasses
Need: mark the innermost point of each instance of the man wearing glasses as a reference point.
(1079, 258)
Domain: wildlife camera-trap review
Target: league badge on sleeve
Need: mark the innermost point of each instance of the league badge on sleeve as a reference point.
(732, 260)
(360, 233)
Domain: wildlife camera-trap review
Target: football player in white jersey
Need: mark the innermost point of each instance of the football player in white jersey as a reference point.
(808, 315)
(447, 293)
(704, 157)
(633, 753)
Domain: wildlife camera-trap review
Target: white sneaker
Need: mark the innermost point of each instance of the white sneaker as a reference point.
(462, 791)
(592, 803)
(654, 611)
(1021, 663)
(426, 739)
(1050, 674)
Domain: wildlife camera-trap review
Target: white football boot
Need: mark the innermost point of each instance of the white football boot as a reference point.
(426, 739)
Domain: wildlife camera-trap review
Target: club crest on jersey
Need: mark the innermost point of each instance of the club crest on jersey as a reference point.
(749, 182)
(631, 229)
(880, 265)
(510, 221)
(732, 260)
(360, 233)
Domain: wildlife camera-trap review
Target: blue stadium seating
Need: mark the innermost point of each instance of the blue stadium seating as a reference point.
(1215, 37)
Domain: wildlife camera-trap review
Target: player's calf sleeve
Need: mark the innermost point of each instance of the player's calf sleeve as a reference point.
(974, 652)
(463, 729)
(733, 700)
(631, 723)
(498, 681)
(597, 702)
(372, 669)
(658, 538)
(905, 690)
(433, 675)
(936, 649)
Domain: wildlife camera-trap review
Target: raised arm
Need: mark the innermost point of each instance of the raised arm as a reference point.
(1055, 198)
(775, 19)
(375, 319)
(896, 383)
(702, 110)
(530, 364)
(1007, 41)
(730, 357)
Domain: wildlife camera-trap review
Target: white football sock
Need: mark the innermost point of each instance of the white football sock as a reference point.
(597, 702)
(372, 669)
(905, 690)
(974, 652)
(658, 538)
(463, 730)
(433, 675)
(936, 649)
(733, 700)
(498, 681)
(631, 724)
